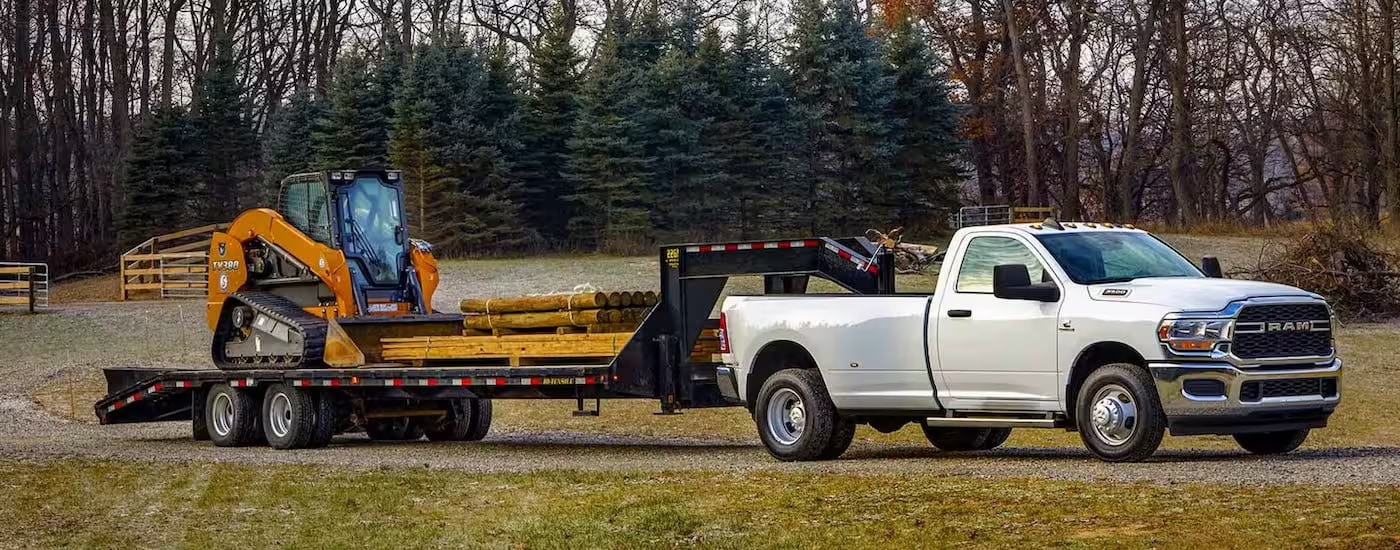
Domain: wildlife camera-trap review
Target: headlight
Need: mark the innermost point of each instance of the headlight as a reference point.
(1194, 334)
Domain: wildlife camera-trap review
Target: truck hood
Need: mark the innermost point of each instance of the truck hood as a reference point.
(1191, 293)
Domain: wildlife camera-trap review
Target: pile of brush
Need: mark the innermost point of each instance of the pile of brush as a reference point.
(591, 312)
(1344, 265)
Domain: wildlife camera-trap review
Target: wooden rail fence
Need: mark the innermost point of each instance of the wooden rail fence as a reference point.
(175, 265)
(24, 284)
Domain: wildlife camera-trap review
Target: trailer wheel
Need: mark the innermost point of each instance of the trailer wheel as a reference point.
(481, 419)
(289, 417)
(957, 439)
(796, 418)
(199, 420)
(400, 428)
(1118, 413)
(468, 420)
(1272, 443)
(326, 421)
(232, 417)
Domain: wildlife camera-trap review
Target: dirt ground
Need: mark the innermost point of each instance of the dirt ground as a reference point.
(50, 366)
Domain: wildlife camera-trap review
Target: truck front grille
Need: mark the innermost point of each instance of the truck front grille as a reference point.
(1288, 387)
(1283, 330)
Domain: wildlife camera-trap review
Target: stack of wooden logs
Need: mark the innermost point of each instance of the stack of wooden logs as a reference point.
(586, 312)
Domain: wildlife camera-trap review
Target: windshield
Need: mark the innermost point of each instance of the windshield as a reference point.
(1115, 256)
(371, 225)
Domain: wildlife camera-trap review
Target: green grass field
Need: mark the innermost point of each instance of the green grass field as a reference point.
(153, 503)
(103, 504)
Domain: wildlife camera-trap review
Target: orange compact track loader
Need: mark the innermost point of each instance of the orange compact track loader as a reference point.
(318, 281)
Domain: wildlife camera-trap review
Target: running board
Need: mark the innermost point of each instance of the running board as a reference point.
(990, 422)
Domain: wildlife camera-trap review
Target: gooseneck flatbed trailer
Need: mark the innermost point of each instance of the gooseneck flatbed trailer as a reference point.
(450, 400)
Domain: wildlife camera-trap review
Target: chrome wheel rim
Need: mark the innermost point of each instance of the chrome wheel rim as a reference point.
(787, 416)
(279, 415)
(1114, 416)
(223, 414)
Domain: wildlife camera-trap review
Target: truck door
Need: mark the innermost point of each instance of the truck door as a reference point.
(995, 354)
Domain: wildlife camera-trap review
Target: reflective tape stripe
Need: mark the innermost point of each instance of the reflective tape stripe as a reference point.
(732, 247)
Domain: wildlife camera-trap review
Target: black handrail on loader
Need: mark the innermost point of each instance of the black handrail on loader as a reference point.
(656, 361)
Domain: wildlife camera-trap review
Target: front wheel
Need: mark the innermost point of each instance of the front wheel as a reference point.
(1118, 413)
(797, 420)
(1272, 443)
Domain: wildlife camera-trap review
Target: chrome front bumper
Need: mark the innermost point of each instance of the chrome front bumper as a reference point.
(1189, 414)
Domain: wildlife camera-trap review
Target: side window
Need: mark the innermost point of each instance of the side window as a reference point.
(985, 253)
(293, 204)
(304, 205)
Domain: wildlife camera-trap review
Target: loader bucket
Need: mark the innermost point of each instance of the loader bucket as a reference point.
(366, 331)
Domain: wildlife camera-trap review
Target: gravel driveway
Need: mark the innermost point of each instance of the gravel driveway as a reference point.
(80, 339)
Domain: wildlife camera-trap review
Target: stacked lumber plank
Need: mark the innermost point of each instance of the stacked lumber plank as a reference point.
(587, 312)
(706, 348)
(515, 350)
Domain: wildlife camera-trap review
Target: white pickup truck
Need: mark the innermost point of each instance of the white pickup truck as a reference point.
(1097, 328)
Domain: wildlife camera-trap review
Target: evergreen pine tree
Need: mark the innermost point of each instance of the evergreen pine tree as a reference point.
(690, 182)
(160, 173)
(425, 180)
(757, 139)
(926, 140)
(550, 112)
(226, 137)
(287, 147)
(607, 162)
(355, 130)
(453, 130)
(842, 91)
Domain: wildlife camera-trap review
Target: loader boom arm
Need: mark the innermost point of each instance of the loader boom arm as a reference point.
(228, 264)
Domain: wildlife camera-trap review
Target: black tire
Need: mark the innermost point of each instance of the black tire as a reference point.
(1137, 435)
(467, 420)
(237, 423)
(199, 421)
(840, 441)
(288, 417)
(957, 439)
(452, 426)
(995, 438)
(327, 418)
(821, 434)
(401, 428)
(1272, 443)
(480, 424)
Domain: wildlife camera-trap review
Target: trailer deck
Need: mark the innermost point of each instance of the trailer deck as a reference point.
(663, 359)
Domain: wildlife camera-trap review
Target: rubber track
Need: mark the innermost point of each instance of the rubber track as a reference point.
(312, 328)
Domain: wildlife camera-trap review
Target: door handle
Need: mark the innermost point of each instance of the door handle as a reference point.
(959, 313)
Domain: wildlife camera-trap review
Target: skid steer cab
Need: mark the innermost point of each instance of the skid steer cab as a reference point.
(335, 253)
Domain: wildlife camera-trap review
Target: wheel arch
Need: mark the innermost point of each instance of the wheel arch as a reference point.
(771, 358)
(1092, 357)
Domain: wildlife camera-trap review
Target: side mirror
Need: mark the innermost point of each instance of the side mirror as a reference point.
(1211, 266)
(1013, 282)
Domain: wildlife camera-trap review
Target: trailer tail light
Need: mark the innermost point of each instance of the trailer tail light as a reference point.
(723, 335)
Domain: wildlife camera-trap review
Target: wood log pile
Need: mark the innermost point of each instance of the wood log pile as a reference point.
(1356, 271)
(908, 257)
(584, 312)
